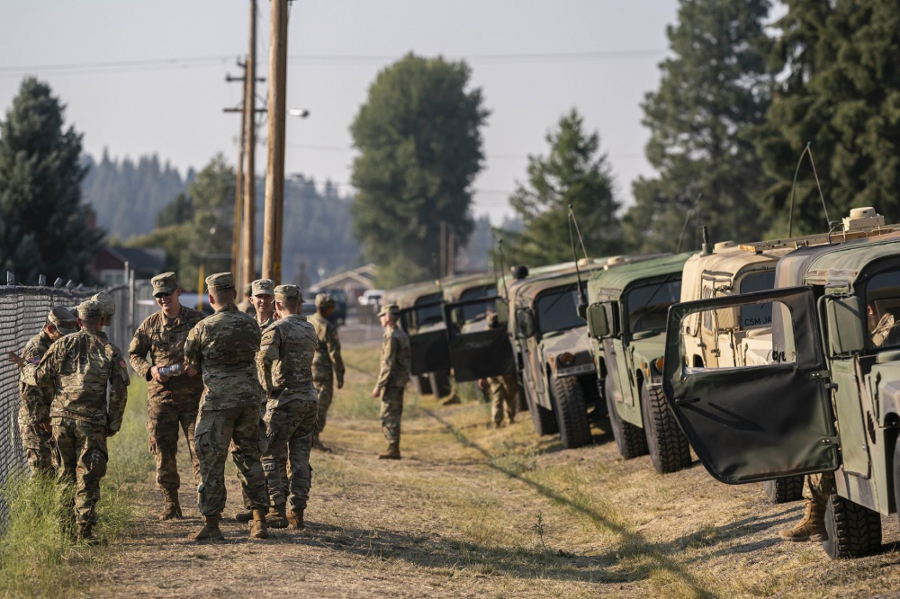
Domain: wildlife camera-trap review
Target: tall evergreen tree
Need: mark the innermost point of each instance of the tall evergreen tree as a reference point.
(574, 173)
(841, 95)
(420, 148)
(712, 92)
(44, 226)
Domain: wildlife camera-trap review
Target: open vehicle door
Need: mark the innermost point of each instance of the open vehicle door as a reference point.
(427, 342)
(756, 423)
(477, 350)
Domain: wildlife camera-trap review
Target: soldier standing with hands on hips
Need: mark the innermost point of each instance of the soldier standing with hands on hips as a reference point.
(157, 354)
(392, 379)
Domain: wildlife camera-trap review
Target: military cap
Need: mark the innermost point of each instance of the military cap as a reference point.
(392, 309)
(220, 280)
(164, 283)
(263, 287)
(288, 292)
(63, 320)
(107, 302)
(248, 289)
(91, 309)
(323, 300)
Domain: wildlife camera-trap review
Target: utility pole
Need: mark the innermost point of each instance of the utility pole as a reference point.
(273, 226)
(239, 190)
(248, 269)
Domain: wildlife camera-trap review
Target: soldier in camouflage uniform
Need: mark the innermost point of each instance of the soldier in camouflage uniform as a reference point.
(172, 401)
(109, 307)
(285, 361)
(223, 348)
(34, 411)
(501, 389)
(392, 379)
(263, 302)
(247, 304)
(327, 364)
(81, 365)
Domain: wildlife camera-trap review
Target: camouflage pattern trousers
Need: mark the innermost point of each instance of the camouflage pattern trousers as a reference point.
(503, 390)
(819, 487)
(391, 411)
(215, 430)
(163, 422)
(37, 443)
(82, 456)
(325, 389)
(288, 433)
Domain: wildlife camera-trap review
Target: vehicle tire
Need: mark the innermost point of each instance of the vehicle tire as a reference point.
(543, 419)
(784, 490)
(629, 439)
(669, 448)
(853, 530)
(571, 412)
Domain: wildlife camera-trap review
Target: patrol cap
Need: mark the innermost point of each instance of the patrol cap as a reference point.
(220, 280)
(63, 320)
(91, 309)
(392, 309)
(164, 283)
(323, 300)
(107, 303)
(263, 287)
(287, 292)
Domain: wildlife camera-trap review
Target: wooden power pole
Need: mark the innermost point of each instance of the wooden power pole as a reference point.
(239, 197)
(273, 226)
(248, 269)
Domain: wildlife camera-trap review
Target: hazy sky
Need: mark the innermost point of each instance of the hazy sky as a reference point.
(145, 76)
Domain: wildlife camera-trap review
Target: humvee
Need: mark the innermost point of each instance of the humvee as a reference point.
(626, 319)
(830, 399)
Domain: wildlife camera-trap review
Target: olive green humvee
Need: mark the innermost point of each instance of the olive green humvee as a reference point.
(830, 399)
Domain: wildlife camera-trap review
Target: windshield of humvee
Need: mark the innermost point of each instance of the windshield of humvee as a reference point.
(648, 306)
(882, 297)
(756, 315)
(556, 310)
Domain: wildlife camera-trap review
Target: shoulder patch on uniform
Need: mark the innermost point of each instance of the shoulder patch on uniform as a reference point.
(122, 364)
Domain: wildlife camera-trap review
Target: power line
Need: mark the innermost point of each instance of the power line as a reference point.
(325, 148)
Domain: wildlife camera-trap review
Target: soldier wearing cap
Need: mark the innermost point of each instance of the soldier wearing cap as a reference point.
(285, 365)
(247, 304)
(502, 389)
(392, 379)
(173, 399)
(223, 348)
(109, 306)
(263, 300)
(81, 365)
(327, 363)
(34, 410)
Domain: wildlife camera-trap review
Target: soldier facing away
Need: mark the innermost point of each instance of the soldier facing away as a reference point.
(327, 363)
(223, 348)
(34, 411)
(81, 365)
(392, 379)
(285, 363)
(108, 304)
(172, 397)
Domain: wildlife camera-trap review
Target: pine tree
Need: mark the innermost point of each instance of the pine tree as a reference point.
(712, 93)
(44, 226)
(574, 173)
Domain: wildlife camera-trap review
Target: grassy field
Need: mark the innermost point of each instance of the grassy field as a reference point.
(476, 512)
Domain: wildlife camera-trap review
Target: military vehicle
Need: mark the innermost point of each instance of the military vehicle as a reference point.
(626, 319)
(829, 401)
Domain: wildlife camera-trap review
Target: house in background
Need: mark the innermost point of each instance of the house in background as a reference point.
(352, 282)
(111, 264)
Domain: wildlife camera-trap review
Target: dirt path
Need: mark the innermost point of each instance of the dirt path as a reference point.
(472, 512)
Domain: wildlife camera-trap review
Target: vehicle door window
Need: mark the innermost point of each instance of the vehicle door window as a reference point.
(757, 315)
(882, 297)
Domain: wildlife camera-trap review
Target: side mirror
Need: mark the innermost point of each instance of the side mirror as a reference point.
(845, 324)
(597, 323)
(524, 323)
(727, 319)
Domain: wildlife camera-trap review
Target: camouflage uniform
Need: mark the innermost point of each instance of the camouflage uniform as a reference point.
(173, 403)
(503, 390)
(223, 348)
(247, 305)
(328, 362)
(80, 365)
(392, 379)
(285, 361)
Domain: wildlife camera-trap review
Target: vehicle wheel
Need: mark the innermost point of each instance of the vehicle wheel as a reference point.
(784, 490)
(571, 412)
(669, 448)
(853, 530)
(629, 439)
(543, 419)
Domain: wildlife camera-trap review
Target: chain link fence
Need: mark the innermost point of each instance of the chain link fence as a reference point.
(23, 313)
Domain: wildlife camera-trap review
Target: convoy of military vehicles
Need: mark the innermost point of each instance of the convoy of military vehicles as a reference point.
(772, 360)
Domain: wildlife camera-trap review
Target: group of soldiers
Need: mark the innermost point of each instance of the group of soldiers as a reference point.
(255, 380)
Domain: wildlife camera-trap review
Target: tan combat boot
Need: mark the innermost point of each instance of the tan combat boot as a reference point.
(258, 529)
(245, 516)
(210, 531)
(392, 453)
(276, 518)
(172, 511)
(811, 528)
(295, 520)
